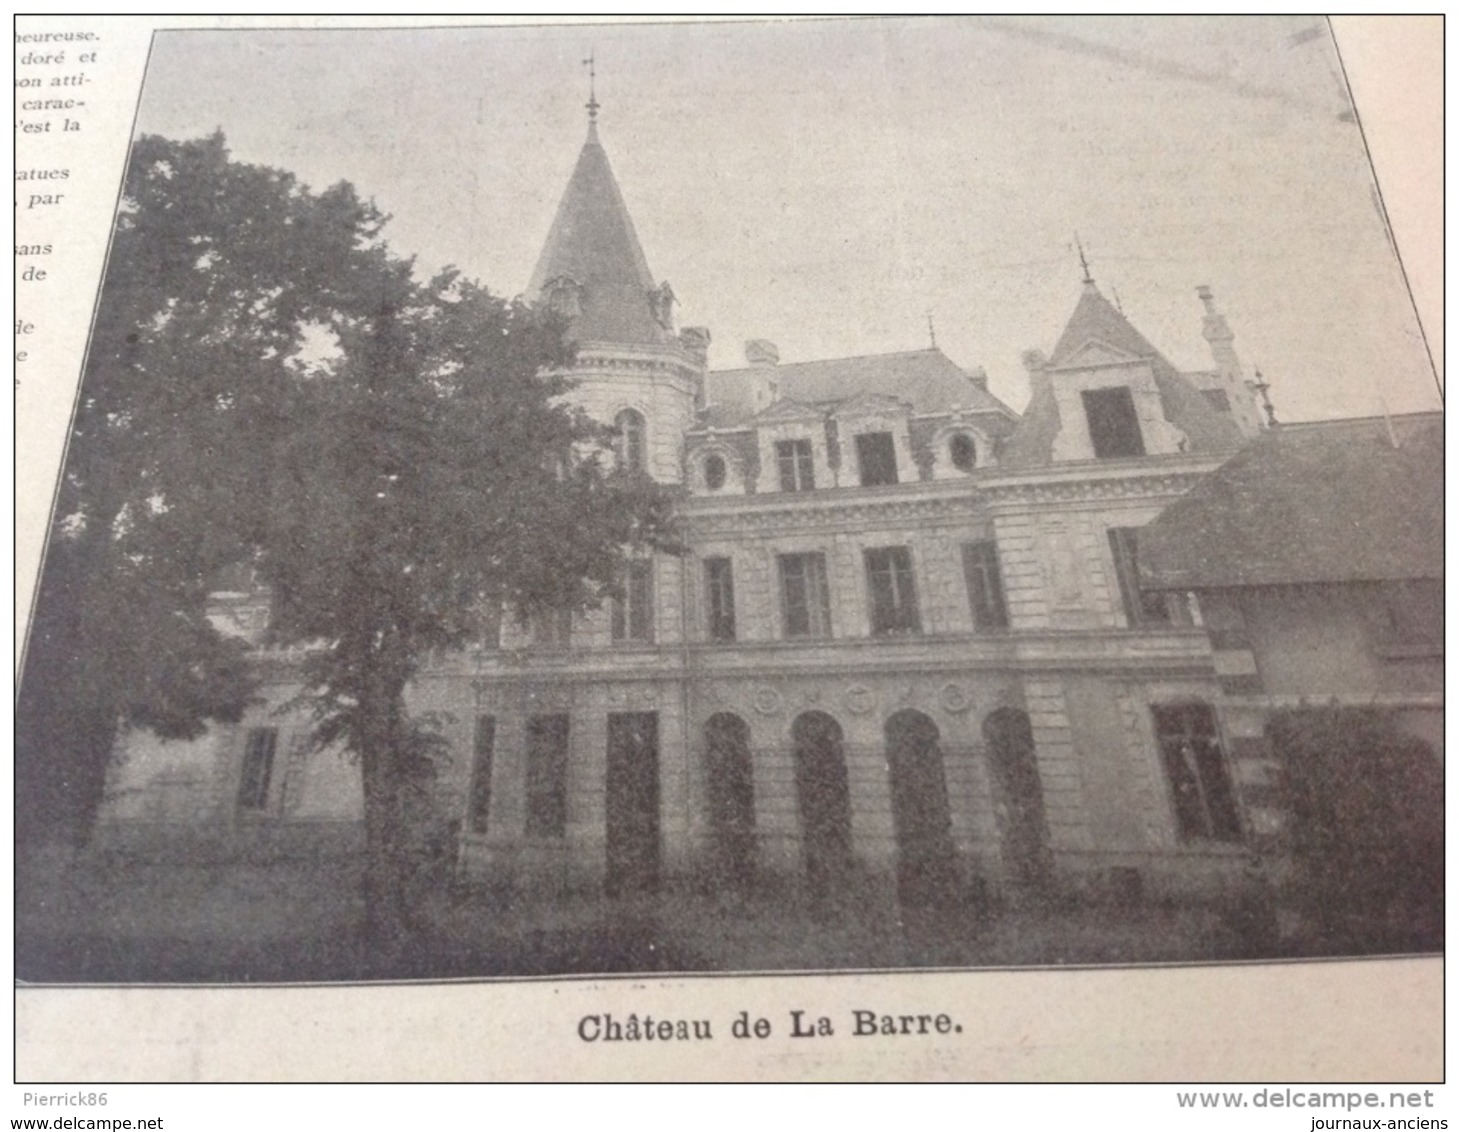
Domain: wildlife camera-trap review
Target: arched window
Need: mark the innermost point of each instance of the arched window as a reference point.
(823, 794)
(714, 472)
(921, 816)
(962, 452)
(632, 452)
(731, 797)
(1018, 796)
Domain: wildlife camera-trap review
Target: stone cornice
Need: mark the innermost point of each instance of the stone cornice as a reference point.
(931, 500)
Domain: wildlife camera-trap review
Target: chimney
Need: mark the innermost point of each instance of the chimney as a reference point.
(695, 340)
(1220, 339)
(759, 352)
(763, 358)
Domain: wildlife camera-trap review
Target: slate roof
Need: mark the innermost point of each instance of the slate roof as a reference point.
(592, 240)
(1323, 502)
(1096, 320)
(928, 379)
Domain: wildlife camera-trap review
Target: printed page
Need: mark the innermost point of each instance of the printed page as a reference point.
(828, 192)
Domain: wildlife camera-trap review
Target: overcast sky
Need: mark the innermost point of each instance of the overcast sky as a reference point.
(827, 184)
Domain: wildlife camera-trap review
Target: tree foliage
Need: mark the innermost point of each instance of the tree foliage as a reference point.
(268, 384)
(215, 274)
(431, 478)
(1366, 833)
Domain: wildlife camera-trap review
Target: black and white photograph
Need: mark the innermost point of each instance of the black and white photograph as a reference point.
(722, 498)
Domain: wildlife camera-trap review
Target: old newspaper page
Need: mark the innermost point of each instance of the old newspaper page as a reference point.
(898, 766)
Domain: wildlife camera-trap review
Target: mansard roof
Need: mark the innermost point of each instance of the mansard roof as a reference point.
(927, 379)
(593, 243)
(1098, 334)
(1325, 502)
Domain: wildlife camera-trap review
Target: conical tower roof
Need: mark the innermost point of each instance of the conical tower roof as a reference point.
(1096, 319)
(592, 243)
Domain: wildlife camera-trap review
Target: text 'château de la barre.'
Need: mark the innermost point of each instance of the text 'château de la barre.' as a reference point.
(799, 1024)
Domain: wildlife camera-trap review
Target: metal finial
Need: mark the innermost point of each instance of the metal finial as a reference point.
(1262, 387)
(931, 331)
(591, 64)
(1084, 263)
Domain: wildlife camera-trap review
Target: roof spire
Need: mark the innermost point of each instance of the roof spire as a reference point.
(931, 332)
(1262, 386)
(1084, 263)
(591, 63)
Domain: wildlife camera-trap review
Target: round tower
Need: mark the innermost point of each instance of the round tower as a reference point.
(633, 369)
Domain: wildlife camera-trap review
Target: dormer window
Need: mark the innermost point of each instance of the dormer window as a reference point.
(661, 302)
(714, 472)
(564, 296)
(631, 449)
(797, 471)
(1114, 427)
(962, 452)
(877, 455)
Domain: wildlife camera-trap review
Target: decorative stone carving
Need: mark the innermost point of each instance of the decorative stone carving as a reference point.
(768, 701)
(859, 699)
(954, 698)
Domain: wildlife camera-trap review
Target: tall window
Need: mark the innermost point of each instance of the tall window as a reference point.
(633, 612)
(552, 628)
(490, 611)
(714, 471)
(1411, 613)
(877, 455)
(985, 585)
(547, 775)
(797, 471)
(483, 742)
(632, 452)
(805, 600)
(1114, 428)
(258, 768)
(1142, 607)
(719, 583)
(962, 452)
(893, 592)
(1190, 747)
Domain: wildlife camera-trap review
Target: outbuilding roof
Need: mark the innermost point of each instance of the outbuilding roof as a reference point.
(1333, 501)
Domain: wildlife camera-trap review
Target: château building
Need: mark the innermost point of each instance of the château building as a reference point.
(907, 647)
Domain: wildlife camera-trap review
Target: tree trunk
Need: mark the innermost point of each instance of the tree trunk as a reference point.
(387, 922)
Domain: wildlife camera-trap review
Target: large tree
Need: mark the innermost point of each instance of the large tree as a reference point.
(217, 273)
(268, 384)
(434, 476)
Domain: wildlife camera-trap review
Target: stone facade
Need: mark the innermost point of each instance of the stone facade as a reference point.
(904, 649)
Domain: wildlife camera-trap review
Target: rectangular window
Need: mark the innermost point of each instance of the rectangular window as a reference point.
(893, 592)
(985, 585)
(1190, 747)
(1145, 608)
(719, 582)
(1411, 613)
(490, 610)
(552, 628)
(1217, 399)
(258, 768)
(1114, 428)
(797, 471)
(547, 775)
(805, 600)
(877, 455)
(479, 804)
(633, 611)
